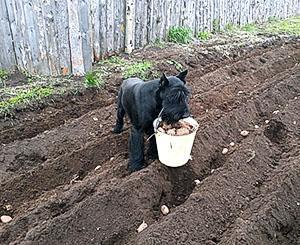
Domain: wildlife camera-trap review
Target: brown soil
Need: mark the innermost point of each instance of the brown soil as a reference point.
(250, 195)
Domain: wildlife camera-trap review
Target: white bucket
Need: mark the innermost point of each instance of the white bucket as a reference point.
(175, 151)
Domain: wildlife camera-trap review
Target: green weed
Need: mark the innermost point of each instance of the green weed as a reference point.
(24, 97)
(114, 60)
(138, 69)
(159, 43)
(216, 26)
(251, 27)
(230, 27)
(177, 65)
(204, 35)
(3, 74)
(93, 79)
(289, 26)
(179, 34)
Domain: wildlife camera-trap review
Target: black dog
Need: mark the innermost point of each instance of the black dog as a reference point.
(143, 102)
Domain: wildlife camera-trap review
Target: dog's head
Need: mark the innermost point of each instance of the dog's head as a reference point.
(175, 97)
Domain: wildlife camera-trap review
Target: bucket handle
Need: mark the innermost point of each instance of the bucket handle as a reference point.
(157, 124)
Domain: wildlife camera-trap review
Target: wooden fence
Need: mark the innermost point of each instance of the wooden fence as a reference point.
(55, 37)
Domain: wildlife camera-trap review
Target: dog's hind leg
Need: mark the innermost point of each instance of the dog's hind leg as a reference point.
(136, 150)
(120, 115)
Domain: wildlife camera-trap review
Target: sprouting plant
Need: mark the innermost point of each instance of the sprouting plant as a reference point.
(180, 35)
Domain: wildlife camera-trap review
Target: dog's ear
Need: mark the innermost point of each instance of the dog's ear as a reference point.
(182, 75)
(164, 82)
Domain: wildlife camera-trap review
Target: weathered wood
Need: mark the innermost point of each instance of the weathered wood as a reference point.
(7, 52)
(60, 13)
(75, 38)
(66, 36)
(130, 25)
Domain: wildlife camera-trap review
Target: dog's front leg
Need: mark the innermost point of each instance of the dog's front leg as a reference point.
(136, 150)
(152, 150)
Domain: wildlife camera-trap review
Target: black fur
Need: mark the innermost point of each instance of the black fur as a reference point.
(142, 102)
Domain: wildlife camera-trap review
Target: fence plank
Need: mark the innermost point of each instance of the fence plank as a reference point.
(7, 55)
(60, 14)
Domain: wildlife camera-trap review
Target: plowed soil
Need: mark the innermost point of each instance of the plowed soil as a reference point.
(50, 186)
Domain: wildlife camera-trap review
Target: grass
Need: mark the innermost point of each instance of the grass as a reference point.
(114, 60)
(182, 35)
(216, 26)
(138, 69)
(251, 27)
(3, 74)
(204, 35)
(94, 79)
(289, 26)
(159, 43)
(274, 25)
(24, 97)
(177, 65)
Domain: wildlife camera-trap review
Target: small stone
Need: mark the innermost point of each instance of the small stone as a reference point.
(164, 209)
(225, 151)
(245, 133)
(298, 203)
(142, 227)
(232, 144)
(267, 121)
(98, 167)
(256, 126)
(95, 118)
(5, 219)
(112, 158)
(262, 60)
(8, 207)
(212, 171)
(197, 182)
(276, 112)
(294, 122)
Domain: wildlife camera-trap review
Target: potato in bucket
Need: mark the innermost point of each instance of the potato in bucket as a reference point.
(175, 141)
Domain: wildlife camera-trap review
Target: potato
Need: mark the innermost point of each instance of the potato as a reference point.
(142, 227)
(166, 126)
(179, 128)
(182, 131)
(160, 129)
(5, 219)
(164, 209)
(171, 131)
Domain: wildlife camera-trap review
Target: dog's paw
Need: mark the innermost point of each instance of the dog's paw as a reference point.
(117, 130)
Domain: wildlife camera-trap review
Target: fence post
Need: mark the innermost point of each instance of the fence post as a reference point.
(129, 33)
